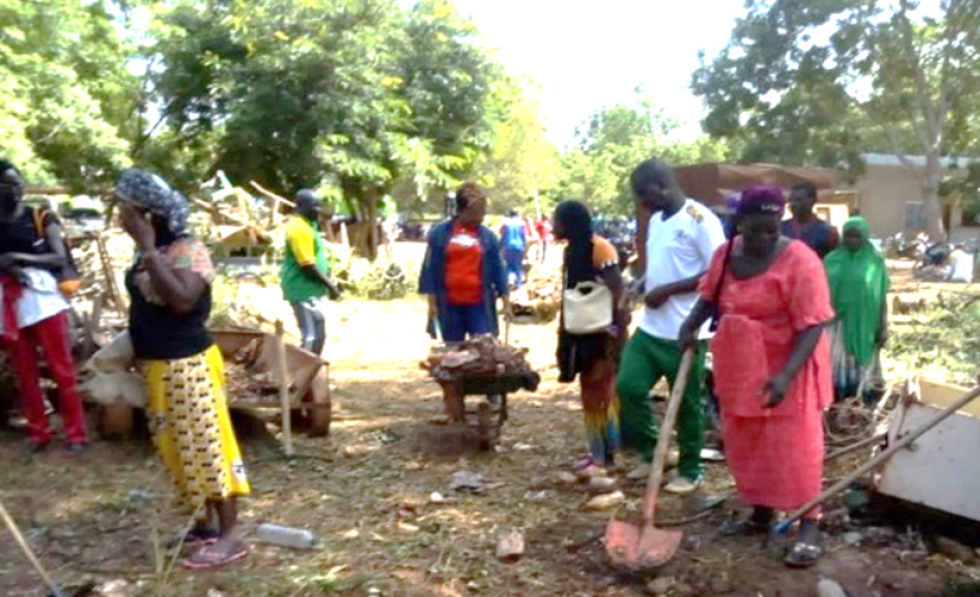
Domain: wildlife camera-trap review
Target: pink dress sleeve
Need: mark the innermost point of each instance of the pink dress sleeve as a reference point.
(709, 282)
(807, 290)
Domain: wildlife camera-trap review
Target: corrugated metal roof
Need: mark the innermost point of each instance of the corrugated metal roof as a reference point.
(884, 159)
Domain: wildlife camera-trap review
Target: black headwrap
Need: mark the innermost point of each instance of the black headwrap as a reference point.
(576, 352)
(576, 224)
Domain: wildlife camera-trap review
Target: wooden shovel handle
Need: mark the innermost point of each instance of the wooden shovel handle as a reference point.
(663, 442)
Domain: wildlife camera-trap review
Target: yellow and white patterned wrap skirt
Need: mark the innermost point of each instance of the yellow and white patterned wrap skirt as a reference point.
(187, 409)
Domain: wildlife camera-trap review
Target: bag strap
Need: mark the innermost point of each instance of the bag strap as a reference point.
(39, 214)
(716, 316)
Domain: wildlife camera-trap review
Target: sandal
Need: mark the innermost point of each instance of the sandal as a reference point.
(804, 555)
(208, 557)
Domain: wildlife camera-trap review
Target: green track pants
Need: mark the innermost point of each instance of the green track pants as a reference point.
(645, 362)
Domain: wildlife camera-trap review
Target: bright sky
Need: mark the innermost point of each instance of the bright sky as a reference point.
(586, 54)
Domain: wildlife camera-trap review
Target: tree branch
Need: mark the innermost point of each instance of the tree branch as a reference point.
(897, 149)
(921, 84)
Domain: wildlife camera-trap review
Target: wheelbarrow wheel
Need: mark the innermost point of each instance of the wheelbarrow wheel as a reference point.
(484, 428)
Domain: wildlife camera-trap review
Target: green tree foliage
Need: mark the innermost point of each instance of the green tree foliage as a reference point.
(522, 162)
(66, 96)
(613, 141)
(345, 95)
(817, 83)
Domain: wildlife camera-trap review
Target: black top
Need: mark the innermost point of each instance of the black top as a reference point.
(160, 334)
(20, 235)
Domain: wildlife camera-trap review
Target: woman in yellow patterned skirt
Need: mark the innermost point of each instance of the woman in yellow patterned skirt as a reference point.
(170, 286)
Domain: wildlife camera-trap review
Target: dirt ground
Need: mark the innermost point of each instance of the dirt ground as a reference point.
(367, 492)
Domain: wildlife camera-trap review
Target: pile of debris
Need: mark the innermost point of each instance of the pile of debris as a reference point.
(480, 355)
(247, 381)
(540, 299)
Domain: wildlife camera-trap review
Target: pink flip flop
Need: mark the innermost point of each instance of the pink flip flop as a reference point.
(207, 557)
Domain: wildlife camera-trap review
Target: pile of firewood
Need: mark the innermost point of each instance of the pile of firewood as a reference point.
(480, 355)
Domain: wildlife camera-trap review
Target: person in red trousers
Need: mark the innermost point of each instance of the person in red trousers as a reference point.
(34, 312)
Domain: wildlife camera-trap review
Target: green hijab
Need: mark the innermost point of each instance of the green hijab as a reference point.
(858, 287)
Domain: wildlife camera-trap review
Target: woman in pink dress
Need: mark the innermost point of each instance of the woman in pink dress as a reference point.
(771, 366)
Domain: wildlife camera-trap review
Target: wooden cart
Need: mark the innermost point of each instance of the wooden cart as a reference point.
(494, 388)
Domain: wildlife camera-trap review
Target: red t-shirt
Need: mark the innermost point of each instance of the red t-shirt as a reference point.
(464, 267)
(544, 229)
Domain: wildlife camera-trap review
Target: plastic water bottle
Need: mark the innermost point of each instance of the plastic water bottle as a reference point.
(286, 536)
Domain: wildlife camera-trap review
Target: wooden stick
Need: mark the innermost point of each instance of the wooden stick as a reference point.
(270, 194)
(29, 553)
(215, 212)
(855, 446)
(277, 200)
(110, 275)
(287, 423)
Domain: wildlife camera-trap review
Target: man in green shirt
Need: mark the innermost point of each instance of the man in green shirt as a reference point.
(305, 273)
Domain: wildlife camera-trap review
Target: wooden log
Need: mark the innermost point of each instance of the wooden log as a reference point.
(277, 200)
(110, 275)
(287, 424)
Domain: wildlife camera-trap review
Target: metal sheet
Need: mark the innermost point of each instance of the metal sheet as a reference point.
(940, 468)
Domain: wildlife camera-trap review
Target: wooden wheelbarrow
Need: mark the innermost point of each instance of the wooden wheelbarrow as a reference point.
(494, 387)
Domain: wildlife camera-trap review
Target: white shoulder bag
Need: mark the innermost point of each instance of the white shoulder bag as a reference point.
(587, 308)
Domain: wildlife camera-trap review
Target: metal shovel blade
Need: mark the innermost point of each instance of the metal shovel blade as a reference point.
(632, 546)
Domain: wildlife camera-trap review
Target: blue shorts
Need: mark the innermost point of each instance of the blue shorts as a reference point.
(459, 321)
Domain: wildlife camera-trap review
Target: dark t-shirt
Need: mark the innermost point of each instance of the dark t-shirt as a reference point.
(157, 332)
(817, 235)
(20, 235)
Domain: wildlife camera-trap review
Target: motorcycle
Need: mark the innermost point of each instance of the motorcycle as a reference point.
(934, 263)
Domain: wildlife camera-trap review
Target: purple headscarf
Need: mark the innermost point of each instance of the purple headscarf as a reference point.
(762, 200)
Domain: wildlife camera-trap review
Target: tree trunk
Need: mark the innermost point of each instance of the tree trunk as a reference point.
(931, 202)
(370, 207)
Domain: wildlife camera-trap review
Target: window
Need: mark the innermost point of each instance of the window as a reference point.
(915, 216)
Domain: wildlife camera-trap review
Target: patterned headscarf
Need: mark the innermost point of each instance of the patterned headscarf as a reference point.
(149, 192)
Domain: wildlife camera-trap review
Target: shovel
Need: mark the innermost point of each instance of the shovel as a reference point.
(646, 546)
(29, 554)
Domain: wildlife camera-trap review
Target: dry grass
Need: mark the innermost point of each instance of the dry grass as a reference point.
(376, 472)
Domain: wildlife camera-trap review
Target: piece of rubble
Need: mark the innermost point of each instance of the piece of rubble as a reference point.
(510, 545)
(661, 586)
(565, 478)
(606, 501)
(405, 528)
(467, 481)
(116, 588)
(829, 588)
(601, 483)
(955, 550)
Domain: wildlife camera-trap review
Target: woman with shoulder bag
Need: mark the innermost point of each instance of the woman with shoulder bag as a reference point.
(593, 327)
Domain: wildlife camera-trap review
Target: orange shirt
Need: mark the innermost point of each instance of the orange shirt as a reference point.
(464, 267)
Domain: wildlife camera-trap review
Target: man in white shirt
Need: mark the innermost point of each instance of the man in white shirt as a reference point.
(676, 238)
